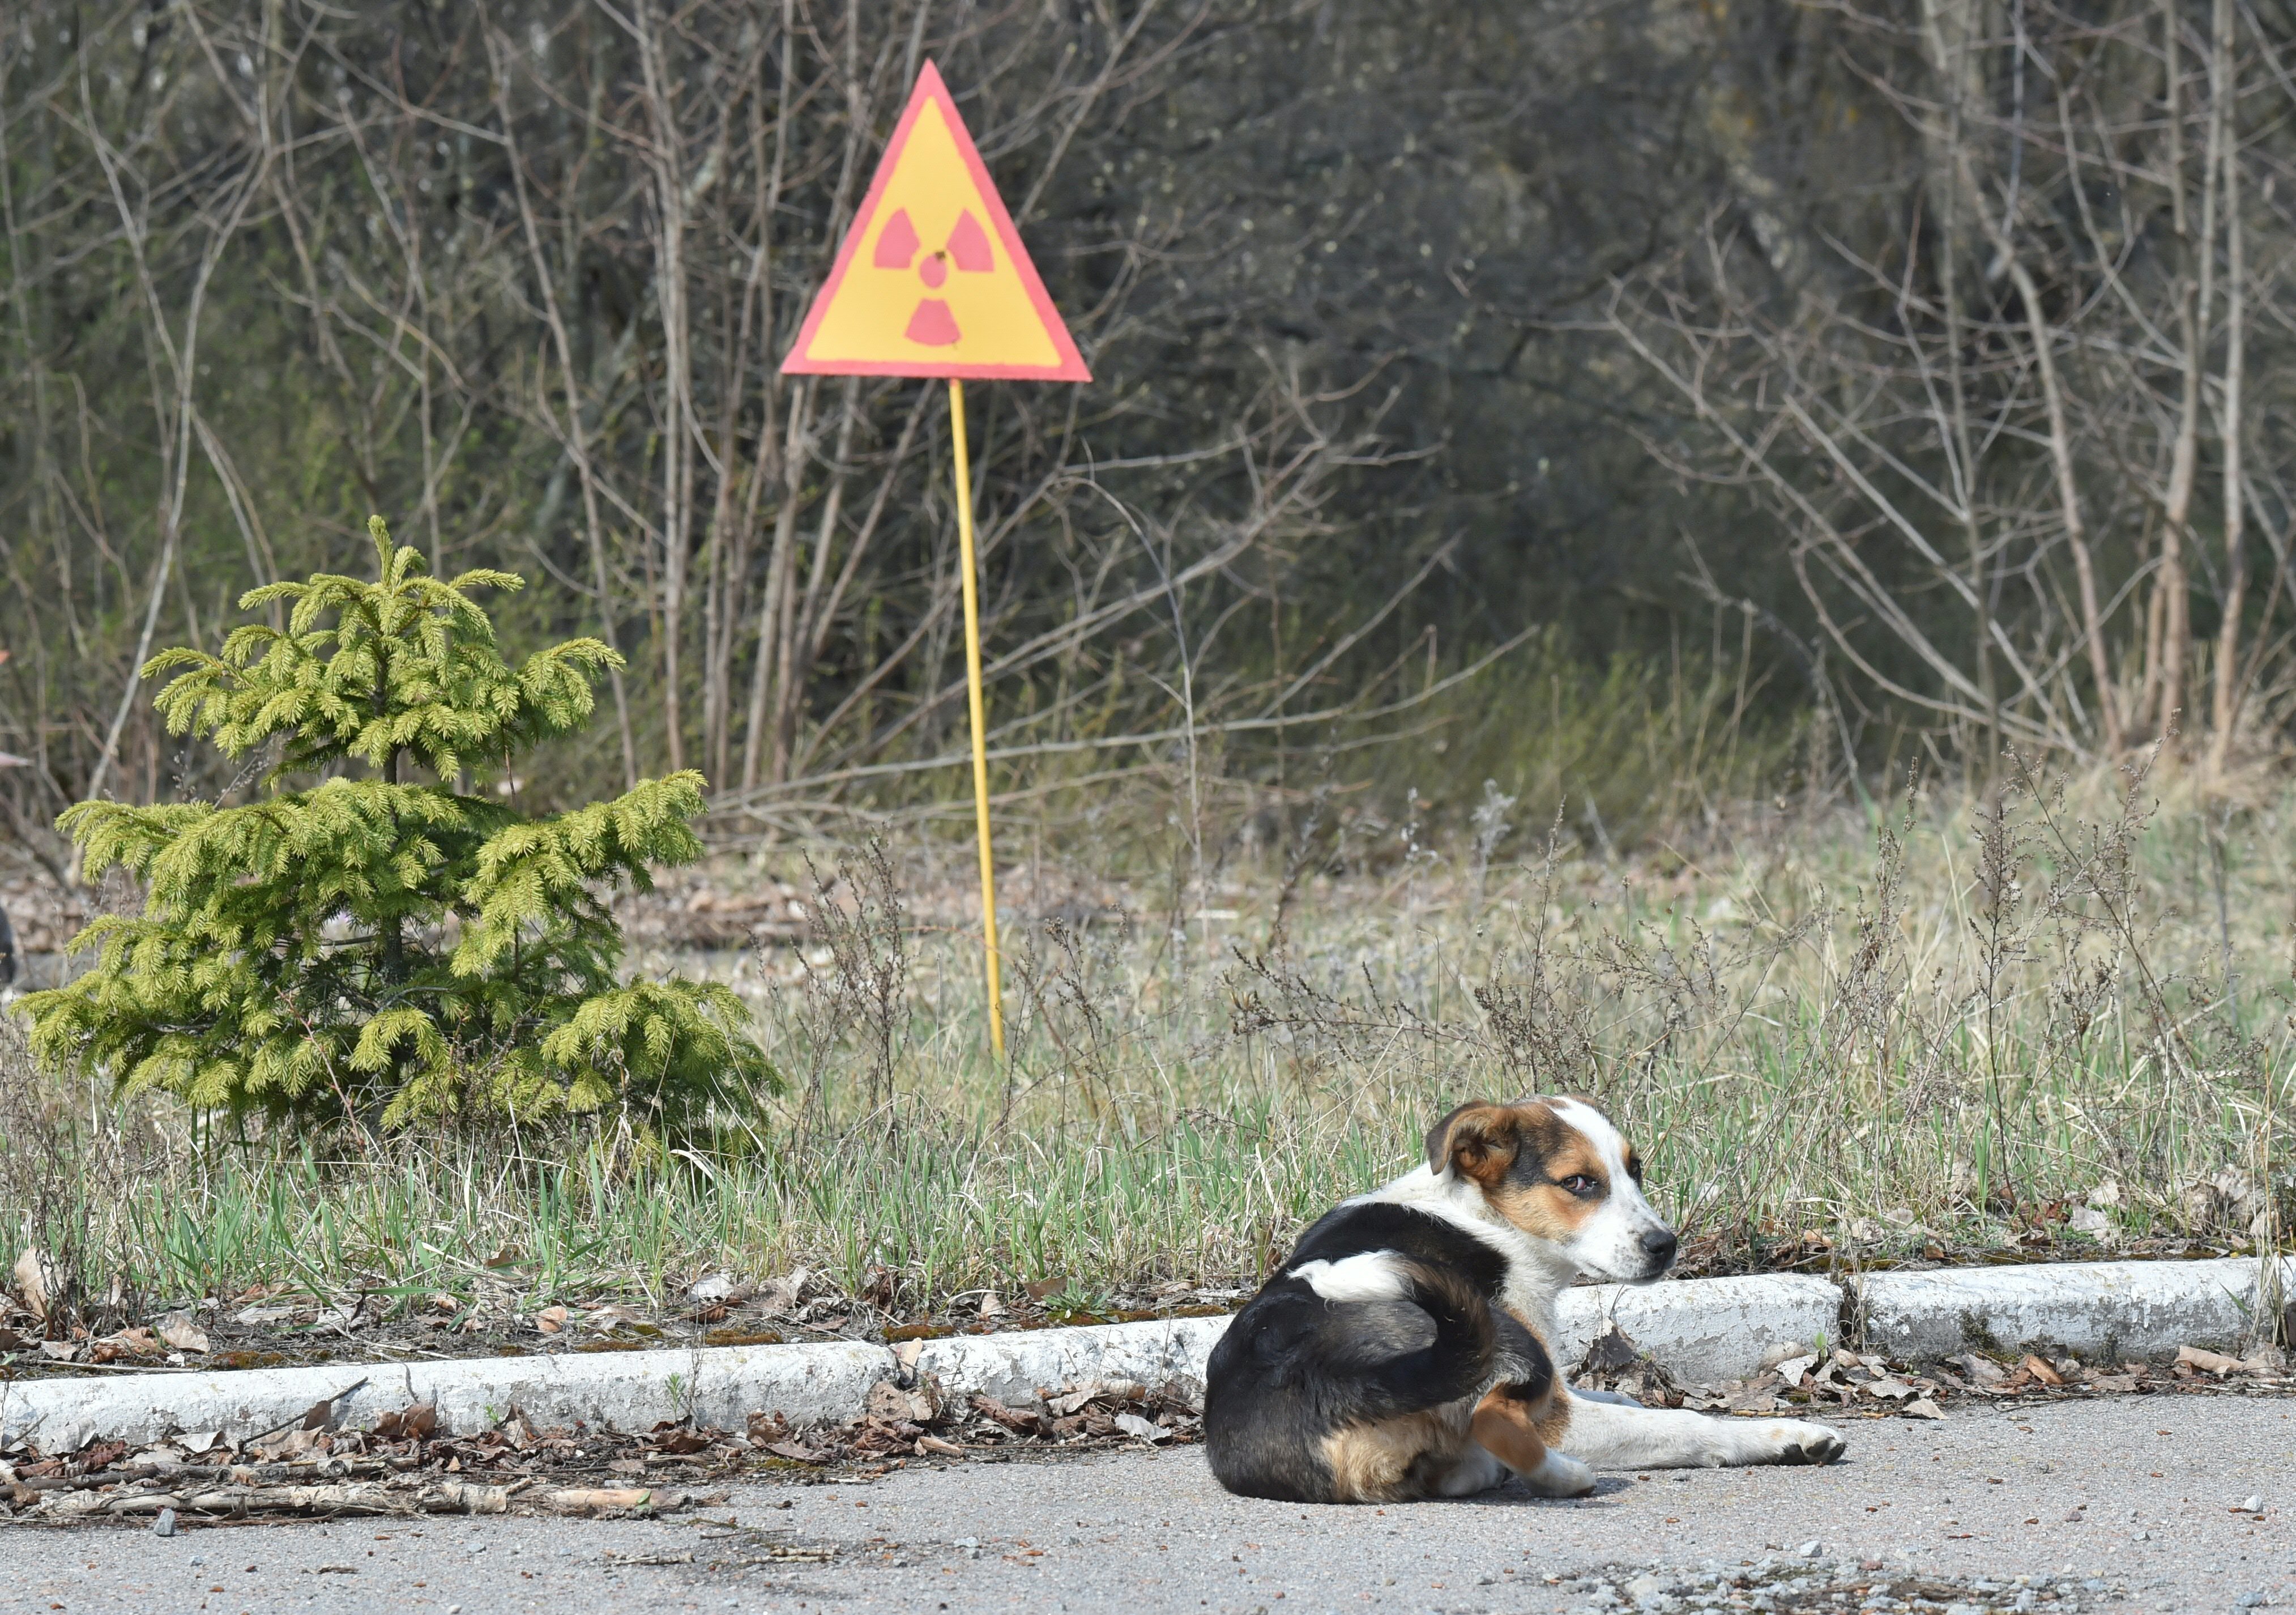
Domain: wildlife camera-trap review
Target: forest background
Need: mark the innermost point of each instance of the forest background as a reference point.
(1920, 371)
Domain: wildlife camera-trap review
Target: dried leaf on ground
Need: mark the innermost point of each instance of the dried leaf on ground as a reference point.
(1133, 1424)
(679, 1438)
(2207, 1361)
(1610, 1352)
(32, 1281)
(416, 1422)
(783, 1294)
(719, 1290)
(126, 1342)
(1022, 1421)
(890, 1402)
(180, 1331)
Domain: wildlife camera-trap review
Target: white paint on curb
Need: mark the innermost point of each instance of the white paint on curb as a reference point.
(2101, 1311)
(1010, 1367)
(1703, 1330)
(630, 1390)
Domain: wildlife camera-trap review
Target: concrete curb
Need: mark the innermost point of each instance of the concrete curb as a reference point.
(717, 1386)
(2100, 1311)
(1010, 1367)
(1702, 1330)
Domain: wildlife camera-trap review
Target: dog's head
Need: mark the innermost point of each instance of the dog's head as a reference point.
(1557, 1169)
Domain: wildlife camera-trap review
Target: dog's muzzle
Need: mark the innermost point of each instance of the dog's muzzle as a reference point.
(1659, 1245)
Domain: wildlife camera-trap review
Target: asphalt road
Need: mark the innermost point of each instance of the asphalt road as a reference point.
(2106, 1504)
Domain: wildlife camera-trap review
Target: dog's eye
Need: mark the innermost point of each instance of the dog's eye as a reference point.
(1578, 1182)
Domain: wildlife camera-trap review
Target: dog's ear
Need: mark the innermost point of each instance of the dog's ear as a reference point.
(1478, 1139)
(1439, 1137)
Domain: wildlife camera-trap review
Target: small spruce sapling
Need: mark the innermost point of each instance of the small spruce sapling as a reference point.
(380, 944)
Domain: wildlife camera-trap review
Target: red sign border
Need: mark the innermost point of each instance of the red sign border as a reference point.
(1070, 366)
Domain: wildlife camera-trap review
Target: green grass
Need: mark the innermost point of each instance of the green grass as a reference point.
(1812, 1023)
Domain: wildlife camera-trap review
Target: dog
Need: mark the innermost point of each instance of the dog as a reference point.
(1405, 1349)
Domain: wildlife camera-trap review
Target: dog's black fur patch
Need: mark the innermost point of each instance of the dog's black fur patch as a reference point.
(1294, 1368)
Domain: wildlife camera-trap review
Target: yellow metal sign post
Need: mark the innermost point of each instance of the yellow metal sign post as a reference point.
(976, 708)
(933, 281)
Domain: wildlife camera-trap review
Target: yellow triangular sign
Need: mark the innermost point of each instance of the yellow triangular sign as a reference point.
(932, 280)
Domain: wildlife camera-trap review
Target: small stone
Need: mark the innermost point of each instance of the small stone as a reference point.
(164, 1525)
(2251, 1504)
(2252, 1600)
(1807, 1550)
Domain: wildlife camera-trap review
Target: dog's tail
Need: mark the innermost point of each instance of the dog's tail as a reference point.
(1460, 1360)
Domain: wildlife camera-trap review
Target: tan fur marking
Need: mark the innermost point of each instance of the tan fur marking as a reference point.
(1397, 1460)
(1550, 1416)
(1542, 1209)
(1554, 1423)
(1479, 1140)
(1507, 1427)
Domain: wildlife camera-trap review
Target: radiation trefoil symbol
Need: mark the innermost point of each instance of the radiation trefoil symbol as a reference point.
(932, 279)
(933, 326)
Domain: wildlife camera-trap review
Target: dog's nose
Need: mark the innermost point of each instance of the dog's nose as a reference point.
(1660, 1243)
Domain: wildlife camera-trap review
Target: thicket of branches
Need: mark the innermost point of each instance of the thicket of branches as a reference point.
(1951, 322)
(2026, 441)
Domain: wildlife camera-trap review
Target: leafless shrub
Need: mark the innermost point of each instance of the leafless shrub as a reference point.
(1069, 991)
(1537, 1000)
(860, 992)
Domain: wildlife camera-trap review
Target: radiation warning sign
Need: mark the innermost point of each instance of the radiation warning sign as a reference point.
(932, 280)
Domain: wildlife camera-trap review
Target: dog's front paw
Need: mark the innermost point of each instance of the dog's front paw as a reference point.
(1796, 1441)
(1557, 1476)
